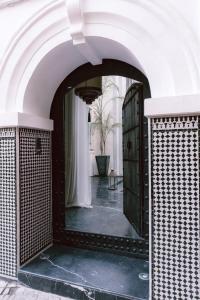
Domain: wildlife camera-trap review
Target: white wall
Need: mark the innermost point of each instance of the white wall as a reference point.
(13, 17)
(43, 41)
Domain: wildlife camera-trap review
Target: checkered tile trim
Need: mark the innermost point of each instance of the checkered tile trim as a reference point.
(35, 192)
(175, 209)
(8, 210)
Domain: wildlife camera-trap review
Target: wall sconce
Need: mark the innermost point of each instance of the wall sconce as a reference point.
(89, 90)
(38, 146)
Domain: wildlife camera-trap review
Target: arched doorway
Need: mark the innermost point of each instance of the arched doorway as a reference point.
(87, 71)
(61, 235)
(28, 82)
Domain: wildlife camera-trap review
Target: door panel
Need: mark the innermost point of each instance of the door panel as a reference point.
(133, 157)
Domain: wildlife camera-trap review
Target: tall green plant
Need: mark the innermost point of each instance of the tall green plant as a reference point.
(103, 121)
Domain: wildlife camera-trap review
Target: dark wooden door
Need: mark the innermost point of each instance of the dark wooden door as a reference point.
(133, 157)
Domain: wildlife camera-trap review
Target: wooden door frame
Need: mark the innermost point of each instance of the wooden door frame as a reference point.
(82, 73)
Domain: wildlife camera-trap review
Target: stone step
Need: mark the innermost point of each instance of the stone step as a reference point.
(87, 275)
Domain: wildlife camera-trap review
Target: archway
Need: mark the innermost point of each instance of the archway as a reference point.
(85, 72)
(29, 56)
(154, 42)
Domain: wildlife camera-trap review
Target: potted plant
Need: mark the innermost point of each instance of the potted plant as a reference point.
(104, 124)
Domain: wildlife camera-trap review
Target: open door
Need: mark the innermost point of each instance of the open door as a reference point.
(133, 156)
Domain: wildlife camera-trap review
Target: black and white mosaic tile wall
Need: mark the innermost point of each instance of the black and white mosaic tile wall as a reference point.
(35, 192)
(175, 254)
(8, 203)
(25, 196)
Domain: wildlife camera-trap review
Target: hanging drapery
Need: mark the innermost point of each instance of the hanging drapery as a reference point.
(77, 180)
(70, 151)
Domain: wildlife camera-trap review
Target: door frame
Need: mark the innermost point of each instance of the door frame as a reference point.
(82, 73)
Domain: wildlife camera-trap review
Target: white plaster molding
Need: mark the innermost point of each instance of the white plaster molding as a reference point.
(42, 33)
(89, 53)
(20, 34)
(76, 19)
(17, 119)
(166, 15)
(18, 50)
(172, 106)
(75, 15)
(9, 3)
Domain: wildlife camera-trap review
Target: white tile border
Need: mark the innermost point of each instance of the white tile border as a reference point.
(172, 106)
(17, 119)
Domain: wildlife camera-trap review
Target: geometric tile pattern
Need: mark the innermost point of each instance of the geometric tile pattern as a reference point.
(35, 192)
(175, 209)
(8, 205)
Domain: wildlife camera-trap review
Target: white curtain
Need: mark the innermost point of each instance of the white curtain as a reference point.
(77, 163)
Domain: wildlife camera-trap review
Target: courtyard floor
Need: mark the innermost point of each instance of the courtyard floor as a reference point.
(106, 215)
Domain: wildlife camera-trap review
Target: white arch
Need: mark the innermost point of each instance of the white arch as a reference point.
(146, 36)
